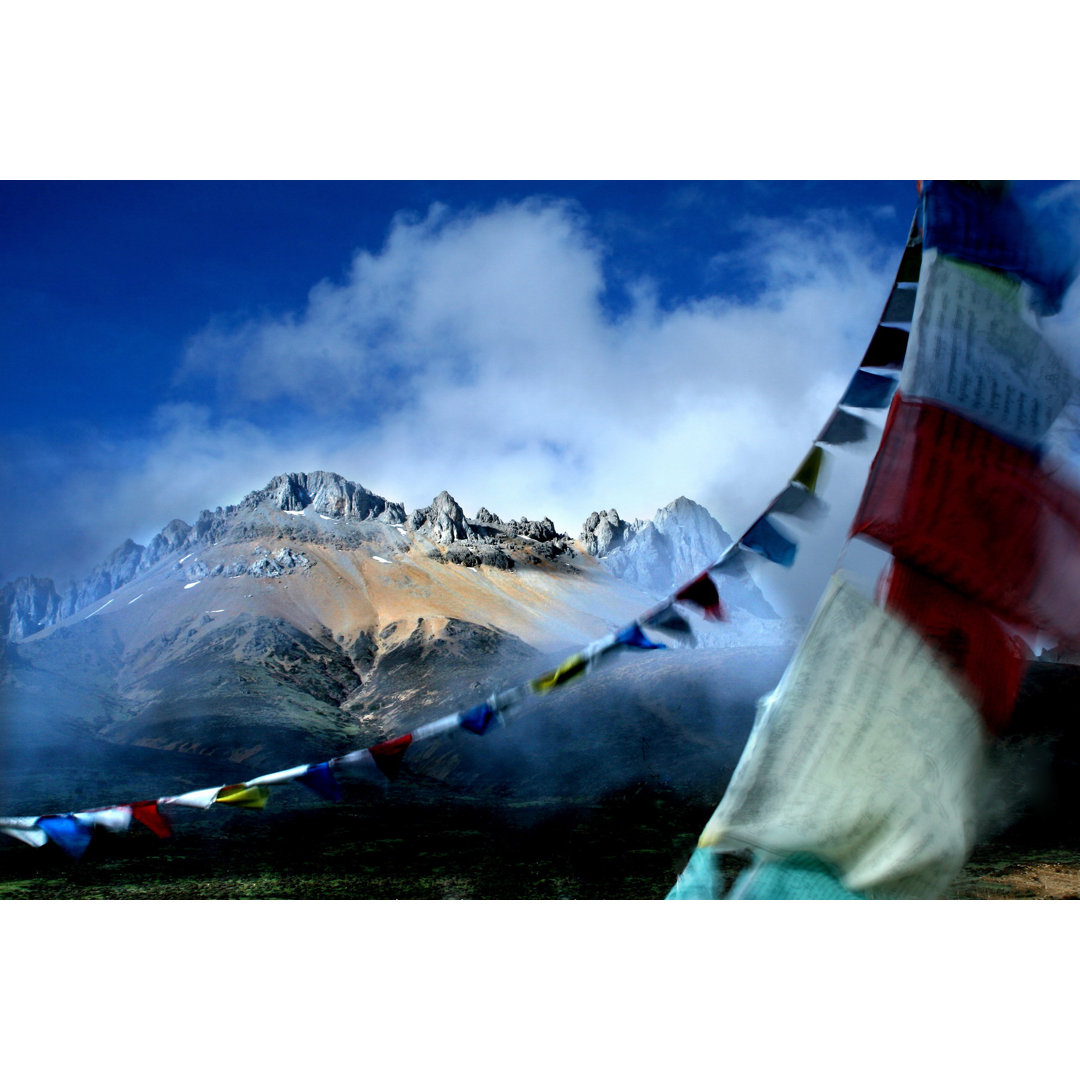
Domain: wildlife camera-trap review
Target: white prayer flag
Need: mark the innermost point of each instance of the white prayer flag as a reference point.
(972, 351)
(436, 727)
(866, 755)
(28, 834)
(202, 799)
(277, 777)
(114, 818)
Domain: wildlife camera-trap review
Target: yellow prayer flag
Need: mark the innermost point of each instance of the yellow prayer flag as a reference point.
(567, 670)
(253, 798)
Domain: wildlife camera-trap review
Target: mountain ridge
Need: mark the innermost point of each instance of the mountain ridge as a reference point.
(656, 555)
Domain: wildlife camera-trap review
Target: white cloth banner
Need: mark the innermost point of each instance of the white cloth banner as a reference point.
(277, 777)
(28, 834)
(202, 799)
(866, 755)
(436, 727)
(357, 765)
(114, 818)
(971, 351)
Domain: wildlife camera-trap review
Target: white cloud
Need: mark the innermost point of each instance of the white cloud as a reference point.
(478, 355)
(474, 353)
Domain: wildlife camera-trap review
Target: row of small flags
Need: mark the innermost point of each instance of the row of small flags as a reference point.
(860, 777)
(72, 832)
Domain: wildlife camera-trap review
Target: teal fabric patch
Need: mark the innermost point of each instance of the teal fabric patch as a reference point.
(795, 877)
(698, 880)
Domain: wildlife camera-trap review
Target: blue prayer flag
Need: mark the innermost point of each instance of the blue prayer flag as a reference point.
(67, 832)
(322, 781)
(633, 635)
(985, 224)
(478, 719)
(869, 391)
(764, 538)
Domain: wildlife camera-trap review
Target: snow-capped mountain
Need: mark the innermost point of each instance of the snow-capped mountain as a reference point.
(316, 616)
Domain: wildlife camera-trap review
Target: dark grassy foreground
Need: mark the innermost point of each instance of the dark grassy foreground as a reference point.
(421, 846)
(426, 845)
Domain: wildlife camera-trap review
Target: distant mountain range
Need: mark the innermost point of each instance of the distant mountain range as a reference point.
(316, 616)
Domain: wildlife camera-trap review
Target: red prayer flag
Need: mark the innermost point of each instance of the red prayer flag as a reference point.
(703, 593)
(978, 513)
(976, 645)
(388, 754)
(148, 814)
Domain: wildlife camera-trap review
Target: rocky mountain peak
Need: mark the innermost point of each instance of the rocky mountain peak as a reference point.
(327, 493)
(443, 521)
(659, 555)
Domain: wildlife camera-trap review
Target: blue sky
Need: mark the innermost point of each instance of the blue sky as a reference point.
(538, 348)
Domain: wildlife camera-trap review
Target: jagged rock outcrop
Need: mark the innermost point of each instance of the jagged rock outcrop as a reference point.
(173, 537)
(604, 531)
(327, 493)
(27, 605)
(543, 530)
(443, 521)
(486, 517)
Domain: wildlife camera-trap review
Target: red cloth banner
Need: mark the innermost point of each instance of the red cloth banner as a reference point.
(388, 754)
(972, 641)
(977, 512)
(147, 813)
(702, 593)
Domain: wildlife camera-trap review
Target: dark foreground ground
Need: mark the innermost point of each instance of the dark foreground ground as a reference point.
(630, 845)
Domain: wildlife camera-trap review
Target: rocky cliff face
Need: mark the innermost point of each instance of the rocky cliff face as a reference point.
(326, 493)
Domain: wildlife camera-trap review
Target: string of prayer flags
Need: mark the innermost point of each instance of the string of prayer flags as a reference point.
(842, 428)
(703, 594)
(24, 829)
(388, 754)
(864, 757)
(250, 798)
(972, 350)
(887, 348)
(960, 504)
(148, 814)
(67, 832)
(479, 719)
(986, 225)
(868, 391)
(972, 641)
(767, 540)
